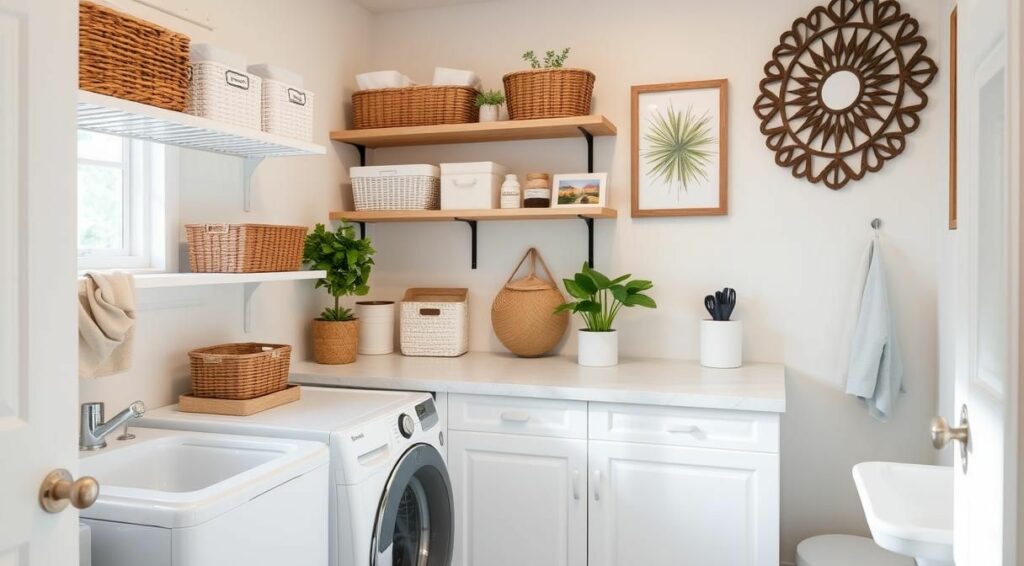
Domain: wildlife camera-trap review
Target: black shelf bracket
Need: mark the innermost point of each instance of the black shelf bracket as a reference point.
(362, 230)
(590, 149)
(472, 235)
(362, 152)
(590, 239)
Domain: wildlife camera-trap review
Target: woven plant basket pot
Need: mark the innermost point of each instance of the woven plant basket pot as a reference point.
(239, 371)
(523, 314)
(548, 93)
(335, 342)
(414, 106)
(123, 56)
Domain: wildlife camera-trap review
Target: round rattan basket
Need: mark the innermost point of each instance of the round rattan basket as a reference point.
(335, 342)
(548, 93)
(523, 314)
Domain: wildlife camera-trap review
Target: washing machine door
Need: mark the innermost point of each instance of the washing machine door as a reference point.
(415, 520)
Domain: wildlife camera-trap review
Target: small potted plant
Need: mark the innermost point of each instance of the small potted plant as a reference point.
(489, 103)
(599, 300)
(347, 261)
(548, 89)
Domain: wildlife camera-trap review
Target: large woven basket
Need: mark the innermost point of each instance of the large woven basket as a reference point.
(126, 57)
(523, 314)
(239, 371)
(414, 106)
(548, 93)
(434, 322)
(227, 95)
(244, 248)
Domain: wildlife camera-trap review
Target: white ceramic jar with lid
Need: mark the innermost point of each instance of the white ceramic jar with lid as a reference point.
(511, 194)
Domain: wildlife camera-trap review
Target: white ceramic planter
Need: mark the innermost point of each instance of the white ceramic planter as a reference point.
(377, 327)
(490, 112)
(721, 343)
(597, 349)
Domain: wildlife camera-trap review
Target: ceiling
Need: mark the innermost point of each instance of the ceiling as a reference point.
(401, 5)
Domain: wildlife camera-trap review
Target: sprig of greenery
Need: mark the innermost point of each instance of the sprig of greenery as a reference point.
(490, 98)
(680, 146)
(552, 59)
(346, 259)
(599, 299)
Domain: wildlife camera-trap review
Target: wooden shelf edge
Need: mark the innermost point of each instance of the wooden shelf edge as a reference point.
(506, 130)
(484, 215)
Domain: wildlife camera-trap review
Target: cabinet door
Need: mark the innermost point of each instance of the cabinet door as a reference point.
(668, 505)
(519, 500)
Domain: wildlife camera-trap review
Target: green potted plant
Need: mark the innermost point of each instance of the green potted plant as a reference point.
(599, 300)
(348, 261)
(548, 89)
(489, 102)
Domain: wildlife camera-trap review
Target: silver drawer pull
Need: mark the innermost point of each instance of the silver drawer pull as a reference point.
(692, 429)
(515, 416)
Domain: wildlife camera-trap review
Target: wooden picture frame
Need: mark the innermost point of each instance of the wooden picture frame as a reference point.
(952, 118)
(575, 181)
(655, 184)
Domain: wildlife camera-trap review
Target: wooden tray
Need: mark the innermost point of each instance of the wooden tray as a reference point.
(237, 408)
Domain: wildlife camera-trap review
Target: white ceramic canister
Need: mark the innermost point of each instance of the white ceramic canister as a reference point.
(597, 349)
(489, 112)
(511, 195)
(376, 326)
(721, 343)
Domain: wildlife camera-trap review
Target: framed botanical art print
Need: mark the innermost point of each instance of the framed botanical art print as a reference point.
(680, 149)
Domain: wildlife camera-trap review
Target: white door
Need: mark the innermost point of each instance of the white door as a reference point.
(988, 161)
(38, 332)
(654, 504)
(519, 500)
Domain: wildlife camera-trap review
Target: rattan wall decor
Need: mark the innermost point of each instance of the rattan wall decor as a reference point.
(844, 89)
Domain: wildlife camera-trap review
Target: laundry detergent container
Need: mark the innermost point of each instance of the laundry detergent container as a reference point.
(474, 185)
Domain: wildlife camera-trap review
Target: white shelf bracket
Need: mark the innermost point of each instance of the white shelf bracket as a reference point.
(250, 288)
(248, 168)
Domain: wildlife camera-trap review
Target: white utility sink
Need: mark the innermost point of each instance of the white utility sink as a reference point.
(909, 508)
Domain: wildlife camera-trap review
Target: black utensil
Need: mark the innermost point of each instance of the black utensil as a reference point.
(728, 302)
(712, 306)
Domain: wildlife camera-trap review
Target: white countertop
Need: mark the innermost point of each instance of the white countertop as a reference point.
(644, 381)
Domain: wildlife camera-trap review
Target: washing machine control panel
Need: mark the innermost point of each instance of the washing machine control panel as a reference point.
(406, 425)
(426, 412)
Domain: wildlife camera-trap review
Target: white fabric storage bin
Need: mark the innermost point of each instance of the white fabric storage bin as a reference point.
(228, 95)
(434, 322)
(287, 110)
(396, 187)
(471, 185)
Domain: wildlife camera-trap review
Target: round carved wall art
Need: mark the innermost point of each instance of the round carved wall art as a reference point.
(844, 89)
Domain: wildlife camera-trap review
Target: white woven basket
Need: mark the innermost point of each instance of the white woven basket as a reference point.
(287, 110)
(434, 322)
(221, 93)
(395, 188)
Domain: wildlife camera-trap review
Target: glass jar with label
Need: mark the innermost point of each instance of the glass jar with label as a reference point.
(510, 192)
(537, 193)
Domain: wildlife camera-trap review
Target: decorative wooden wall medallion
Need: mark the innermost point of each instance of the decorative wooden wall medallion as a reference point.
(844, 89)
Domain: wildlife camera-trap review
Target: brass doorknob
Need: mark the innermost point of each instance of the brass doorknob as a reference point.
(942, 433)
(59, 489)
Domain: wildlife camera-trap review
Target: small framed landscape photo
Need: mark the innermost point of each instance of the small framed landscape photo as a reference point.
(579, 190)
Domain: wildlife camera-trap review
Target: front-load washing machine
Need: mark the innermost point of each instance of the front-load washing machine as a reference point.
(391, 494)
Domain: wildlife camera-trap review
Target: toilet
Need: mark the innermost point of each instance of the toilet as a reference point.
(846, 550)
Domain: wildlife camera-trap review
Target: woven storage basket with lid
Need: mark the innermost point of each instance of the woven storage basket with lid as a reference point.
(548, 93)
(523, 313)
(239, 371)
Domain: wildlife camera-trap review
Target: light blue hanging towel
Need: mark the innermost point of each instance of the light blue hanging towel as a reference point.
(875, 372)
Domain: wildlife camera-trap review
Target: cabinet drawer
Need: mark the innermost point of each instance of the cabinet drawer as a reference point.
(517, 415)
(704, 428)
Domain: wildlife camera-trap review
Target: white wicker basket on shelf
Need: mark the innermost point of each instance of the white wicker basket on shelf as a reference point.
(434, 322)
(221, 93)
(287, 110)
(396, 187)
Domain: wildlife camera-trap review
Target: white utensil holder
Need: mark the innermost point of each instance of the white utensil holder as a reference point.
(721, 343)
(376, 327)
(597, 349)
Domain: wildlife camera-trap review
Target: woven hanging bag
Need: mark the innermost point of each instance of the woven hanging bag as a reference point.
(523, 314)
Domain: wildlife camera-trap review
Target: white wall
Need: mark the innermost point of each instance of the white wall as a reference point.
(788, 247)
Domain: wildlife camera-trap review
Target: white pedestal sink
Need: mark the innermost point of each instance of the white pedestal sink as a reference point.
(909, 508)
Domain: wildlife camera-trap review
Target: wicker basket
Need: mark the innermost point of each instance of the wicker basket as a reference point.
(227, 95)
(123, 56)
(244, 248)
(239, 371)
(523, 314)
(414, 106)
(548, 93)
(398, 187)
(434, 322)
(287, 111)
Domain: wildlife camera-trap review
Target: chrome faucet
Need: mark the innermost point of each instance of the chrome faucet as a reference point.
(93, 430)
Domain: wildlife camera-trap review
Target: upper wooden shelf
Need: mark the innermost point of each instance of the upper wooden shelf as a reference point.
(506, 130)
(481, 214)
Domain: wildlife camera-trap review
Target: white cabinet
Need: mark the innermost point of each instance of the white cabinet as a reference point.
(652, 504)
(520, 500)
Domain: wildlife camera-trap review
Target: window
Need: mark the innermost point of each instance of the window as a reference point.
(119, 184)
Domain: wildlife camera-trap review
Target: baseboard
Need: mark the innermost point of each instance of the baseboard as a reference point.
(787, 563)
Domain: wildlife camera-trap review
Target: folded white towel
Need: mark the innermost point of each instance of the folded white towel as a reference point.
(106, 323)
(208, 52)
(275, 73)
(455, 77)
(382, 79)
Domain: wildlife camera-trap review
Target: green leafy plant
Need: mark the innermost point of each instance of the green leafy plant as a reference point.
(490, 98)
(679, 146)
(552, 59)
(599, 299)
(346, 259)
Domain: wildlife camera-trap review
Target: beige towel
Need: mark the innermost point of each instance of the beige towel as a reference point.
(106, 323)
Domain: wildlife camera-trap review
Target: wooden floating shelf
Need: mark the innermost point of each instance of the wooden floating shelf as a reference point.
(495, 214)
(169, 280)
(506, 130)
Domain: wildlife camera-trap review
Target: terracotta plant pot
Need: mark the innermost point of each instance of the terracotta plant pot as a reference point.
(335, 342)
